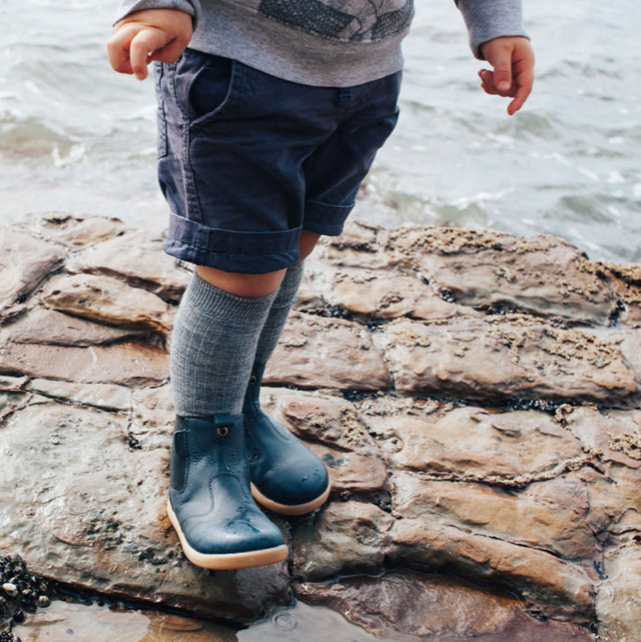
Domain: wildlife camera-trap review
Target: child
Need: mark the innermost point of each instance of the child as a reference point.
(268, 123)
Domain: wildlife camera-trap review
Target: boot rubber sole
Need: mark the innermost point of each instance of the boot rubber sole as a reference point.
(285, 509)
(227, 561)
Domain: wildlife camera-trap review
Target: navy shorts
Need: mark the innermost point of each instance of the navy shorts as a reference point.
(247, 160)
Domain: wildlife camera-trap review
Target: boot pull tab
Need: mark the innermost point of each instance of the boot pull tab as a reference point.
(223, 423)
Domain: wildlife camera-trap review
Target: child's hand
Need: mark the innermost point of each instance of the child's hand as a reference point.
(513, 61)
(156, 34)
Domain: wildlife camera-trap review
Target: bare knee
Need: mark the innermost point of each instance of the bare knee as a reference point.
(255, 285)
(246, 285)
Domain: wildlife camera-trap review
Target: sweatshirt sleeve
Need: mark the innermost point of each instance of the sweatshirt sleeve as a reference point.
(489, 19)
(192, 7)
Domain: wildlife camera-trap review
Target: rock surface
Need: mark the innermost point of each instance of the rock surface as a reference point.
(473, 394)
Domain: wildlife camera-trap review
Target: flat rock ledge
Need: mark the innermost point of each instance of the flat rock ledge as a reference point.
(474, 394)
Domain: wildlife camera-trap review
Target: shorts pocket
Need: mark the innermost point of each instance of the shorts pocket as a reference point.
(161, 117)
(204, 84)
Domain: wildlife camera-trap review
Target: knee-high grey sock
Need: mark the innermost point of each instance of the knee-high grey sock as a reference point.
(213, 346)
(275, 322)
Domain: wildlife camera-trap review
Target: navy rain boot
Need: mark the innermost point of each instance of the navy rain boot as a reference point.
(210, 504)
(286, 476)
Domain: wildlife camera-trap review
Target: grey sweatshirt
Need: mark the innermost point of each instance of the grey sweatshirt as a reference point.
(323, 42)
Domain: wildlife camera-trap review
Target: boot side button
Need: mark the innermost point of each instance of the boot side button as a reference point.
(252, 380)
(222, 431)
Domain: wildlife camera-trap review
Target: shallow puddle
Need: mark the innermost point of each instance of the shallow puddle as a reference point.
(73, 622)
(82, 622)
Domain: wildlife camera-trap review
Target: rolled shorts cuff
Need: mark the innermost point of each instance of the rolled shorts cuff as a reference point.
(326, 219)
(231, 251)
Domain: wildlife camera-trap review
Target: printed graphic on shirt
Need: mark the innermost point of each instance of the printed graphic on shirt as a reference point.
(347, 20)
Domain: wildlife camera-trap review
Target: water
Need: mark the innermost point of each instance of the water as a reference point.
(75, 622)
(75, 136)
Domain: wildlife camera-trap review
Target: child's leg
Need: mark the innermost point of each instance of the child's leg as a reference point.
(286, 476)
(210, 505)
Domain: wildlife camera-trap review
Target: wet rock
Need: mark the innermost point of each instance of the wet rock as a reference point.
(502, 448)
(153, 416)
(137, 257)
(614, 435)
(109, 301)
(543, 275)
(405, 605)
(350, 473)
(474, 359)
(618, 600)
(306, 356)
(13, 384)
(357, 246)
(100, 395)
(50, 327)
(566, 589)
(91, 513)
(73, 231)
(130, 363)
(323, 418)
(350, 537)
(524, 518)
(510, 449)
(24, 263)
(379, 294)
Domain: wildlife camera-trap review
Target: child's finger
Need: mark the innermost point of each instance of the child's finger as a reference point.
(118, 49)
(170, 52)
(524, 80)
(487, 82)
(144, 44)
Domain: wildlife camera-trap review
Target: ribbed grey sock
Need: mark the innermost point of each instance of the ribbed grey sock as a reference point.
(287, 295)
(213, 346)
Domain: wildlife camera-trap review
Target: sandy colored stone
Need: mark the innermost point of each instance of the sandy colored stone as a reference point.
(618, 602)
(619, 503)
(357, 246)
(13, 384)
(50, 327)
(137, 257)
(317, 417)
(383, 294)
(153, 416)
(109, 301)
(627, 287)
(536, 575)
(72, 230)
(101, 395)
(552, 516)
(506, 448)
(91, 512)
(307, 356)
(408, 606)
(516, 358)
(350, 473)
(535, 489)
(345, 538)
(131, 363)
(542, 275)
(615, 435)
(24, 263)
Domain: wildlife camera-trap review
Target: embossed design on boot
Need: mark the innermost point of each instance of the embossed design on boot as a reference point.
(210, 504)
